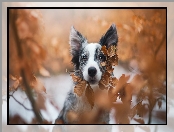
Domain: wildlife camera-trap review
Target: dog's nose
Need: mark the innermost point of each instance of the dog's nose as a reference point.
(92, 71)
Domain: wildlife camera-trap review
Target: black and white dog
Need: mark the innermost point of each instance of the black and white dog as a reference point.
(87, 59)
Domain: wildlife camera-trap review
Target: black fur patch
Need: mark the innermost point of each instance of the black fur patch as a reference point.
(99, 58)
(110, 37)
(75, 60)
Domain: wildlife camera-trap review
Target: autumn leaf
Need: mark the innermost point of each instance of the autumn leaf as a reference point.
(121, 83)
(141, 121)
(128, 93)
(75, 78)
(37, 85)
(103, 63)
(109, 69)
(80, 87)
(43, 71)
(102, 85)
(112, 95)
(72, 116)
(102, 100)
(113, 81)
(104, 82)
(138, 83)
(141, 109)
(111, 51)
(15, 82)
(89, 93)
(40, 101)
(104, 50)
(113, 60)
(122, 111)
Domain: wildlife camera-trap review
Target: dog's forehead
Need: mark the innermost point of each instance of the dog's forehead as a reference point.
(92, 47)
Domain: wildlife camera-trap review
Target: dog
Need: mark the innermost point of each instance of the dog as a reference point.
(86, 58)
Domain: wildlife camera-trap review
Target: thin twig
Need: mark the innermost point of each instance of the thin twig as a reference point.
(20, 102)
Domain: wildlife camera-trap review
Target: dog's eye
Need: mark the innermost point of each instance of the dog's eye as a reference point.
(101, 57)
(84, 57)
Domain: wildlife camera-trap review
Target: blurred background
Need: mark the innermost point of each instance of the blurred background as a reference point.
(141, 49)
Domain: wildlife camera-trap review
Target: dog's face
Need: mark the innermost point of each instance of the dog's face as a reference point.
(87, 57)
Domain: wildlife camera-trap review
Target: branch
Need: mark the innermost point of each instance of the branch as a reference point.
(20, 102)
(13, 17)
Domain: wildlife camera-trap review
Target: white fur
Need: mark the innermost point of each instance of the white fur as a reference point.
(91, 63)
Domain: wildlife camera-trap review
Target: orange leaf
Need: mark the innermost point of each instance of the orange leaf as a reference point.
(112, 95)
(111, 51)
(113, 60)
(121, 83)
(141, 121)
(109, 69)
(104, 50)
(113, 81)
(75, 78)
(104, 82)
(80, 87)
(90, 95)
(138, 83)
(44, 72)
(40, 101)
(37, 85)
(103, 63)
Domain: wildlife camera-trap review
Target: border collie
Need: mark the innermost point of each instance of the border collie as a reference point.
(87, 59)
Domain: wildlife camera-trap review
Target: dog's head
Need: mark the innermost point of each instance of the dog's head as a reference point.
(87, 57)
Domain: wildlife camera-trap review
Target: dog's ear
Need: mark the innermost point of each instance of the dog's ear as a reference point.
(110, 37)
(77, 41)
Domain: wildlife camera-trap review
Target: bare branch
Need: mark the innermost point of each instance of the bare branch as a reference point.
(20, 102)
(13, 17)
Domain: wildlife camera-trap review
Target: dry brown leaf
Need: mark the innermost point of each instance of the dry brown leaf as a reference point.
(128, 93)
(37, 85)
(90, 95)
(112, 95)
(43, 71)
(14, 82)
(121, 83)
(104, 50)
(102, 99)
(138, 83)
(80, 88)
(12, 77)
(122, 111)
(40, 101)
(111, 51)
(102, 85)
(113, 60)
(103, 63)
(72, 116)
(113, 81)
(75, 78)
(104, 82)
(105, 78)
(141, 121)
(109, 68)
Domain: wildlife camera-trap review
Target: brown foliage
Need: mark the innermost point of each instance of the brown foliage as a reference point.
(142, 38)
